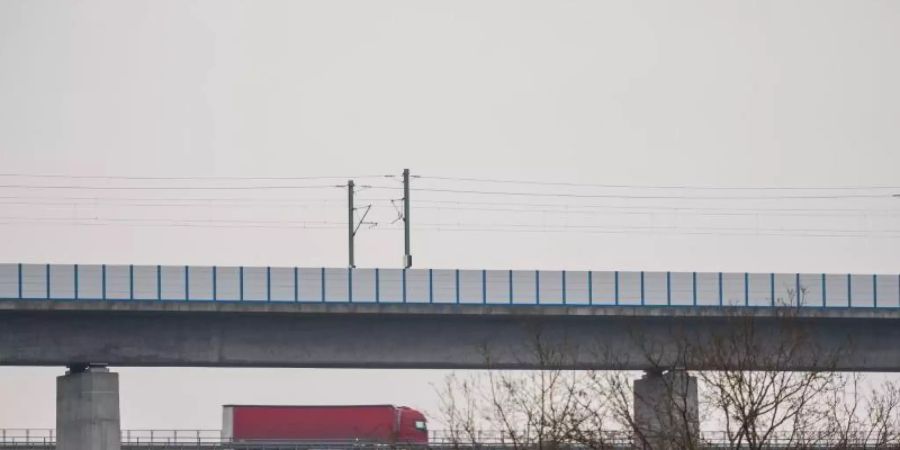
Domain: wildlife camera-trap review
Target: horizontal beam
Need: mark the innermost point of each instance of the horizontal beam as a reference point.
(51, 333)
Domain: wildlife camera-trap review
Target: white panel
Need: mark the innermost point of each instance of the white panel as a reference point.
(118, 282)
(629, 288)
(228, 284)
(470, 286)
(863, 290)
(62, 281)
(577, 292)
(550, 287)
(34, 281)
(390, 285)
(707, 288)
(760, 289)
(604, 288)
(255, 284)
(200, 283)
(9, 281)
(785, 289)
(337, 288)
(417, 289)
(655, 290)
(173, 283)
(497, 286)
(889, 290)
(310, 285)
(89, 281)
(733, 293)
(811, 289)
(444, 286)
(836, 290)
(145, 283)
(524, 287)
(363, 285)
(682, 286)
(282, 284)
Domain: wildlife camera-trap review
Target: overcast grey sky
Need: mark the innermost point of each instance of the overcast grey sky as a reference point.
(716, 93)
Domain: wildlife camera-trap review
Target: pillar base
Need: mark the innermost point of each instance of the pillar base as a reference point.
(666, 411)
(87, 409)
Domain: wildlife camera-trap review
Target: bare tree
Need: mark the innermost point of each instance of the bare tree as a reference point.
(544, 409)
(749, 390)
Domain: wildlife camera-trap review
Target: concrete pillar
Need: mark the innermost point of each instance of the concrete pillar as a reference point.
(666, 411)
(87, 409)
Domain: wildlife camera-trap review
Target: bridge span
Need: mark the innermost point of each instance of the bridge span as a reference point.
(210, 316)
(207, 334)
(90, 317)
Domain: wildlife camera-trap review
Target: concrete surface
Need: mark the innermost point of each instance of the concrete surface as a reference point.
(666, 410)
(87, 410)
(261, 334)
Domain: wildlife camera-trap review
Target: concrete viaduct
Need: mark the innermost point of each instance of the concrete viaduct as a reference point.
(61, 316)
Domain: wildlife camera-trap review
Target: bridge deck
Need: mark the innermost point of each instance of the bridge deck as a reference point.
(275, 334)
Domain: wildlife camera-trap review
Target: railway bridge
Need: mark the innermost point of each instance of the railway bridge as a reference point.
(92, 317)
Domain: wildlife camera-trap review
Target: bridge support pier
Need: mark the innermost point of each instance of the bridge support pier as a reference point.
(666, 410)
(87, 409)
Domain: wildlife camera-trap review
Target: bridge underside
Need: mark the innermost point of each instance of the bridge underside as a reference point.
(442, 336)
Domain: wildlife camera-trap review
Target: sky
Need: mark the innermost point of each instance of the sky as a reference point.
(197, 132)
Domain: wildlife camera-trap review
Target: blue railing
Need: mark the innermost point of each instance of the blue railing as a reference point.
(441, 286)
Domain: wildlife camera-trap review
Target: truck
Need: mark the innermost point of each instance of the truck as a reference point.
(381, 424)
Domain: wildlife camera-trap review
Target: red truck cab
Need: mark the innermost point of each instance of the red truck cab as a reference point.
(385, 424)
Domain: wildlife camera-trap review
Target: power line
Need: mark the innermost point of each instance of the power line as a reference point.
(461, 226)
(572, 206)
(611, 210)
(193, 178)
(650, 186)
(721, 232)
(456, 228)
(431, 177)
(650, 197)
(654, 227)
(640, 232)
(226, 204)
(650, 211)
(177, 225)
(559, 208)
(175, 199)
(164, 220)
(167, 188)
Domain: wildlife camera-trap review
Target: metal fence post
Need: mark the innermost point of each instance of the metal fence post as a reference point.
(510, 287)
(643, 295)
(721, 291)
(590, 276)
(457, 286)
(483, 286)
(694, 286)
(746, 289)
(849, 291)
(669, 288)
(617, 287)
(874, 290)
